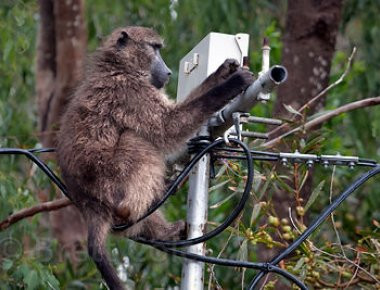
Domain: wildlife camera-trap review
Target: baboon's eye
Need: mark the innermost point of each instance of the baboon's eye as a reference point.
(122, 40)
(157, 46)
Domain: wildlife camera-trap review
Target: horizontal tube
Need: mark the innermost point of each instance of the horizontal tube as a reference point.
(261, 120)
(244, 102)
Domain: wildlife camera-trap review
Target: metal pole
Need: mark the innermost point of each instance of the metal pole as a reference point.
(222, 120)
(197, 205)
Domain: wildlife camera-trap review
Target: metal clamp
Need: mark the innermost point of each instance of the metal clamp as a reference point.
(311, 159)
(240, 118)
(297, 157)
(338, 159)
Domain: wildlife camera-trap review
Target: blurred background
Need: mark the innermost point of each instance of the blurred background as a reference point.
(43, 45)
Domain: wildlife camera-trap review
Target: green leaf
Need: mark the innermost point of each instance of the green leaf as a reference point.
(299, 264)
(314, 195)
(255, 212)
(303, 181)
(218, 204)
(290, 109)
(219, 185)
(221, 171)
(31, 280)
(49, 279)
(243, 251)
(52, 281)
(7, 264)
(313, 143)
(283, 184)
(7, 50)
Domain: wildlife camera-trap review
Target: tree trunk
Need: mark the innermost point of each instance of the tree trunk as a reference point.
(61, 51)
(309, 45)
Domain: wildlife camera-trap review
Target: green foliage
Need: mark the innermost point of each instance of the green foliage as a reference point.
(18, 27)
(30, 257)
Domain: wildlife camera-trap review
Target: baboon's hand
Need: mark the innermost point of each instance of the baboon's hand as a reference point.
(229, 66)
(239, 81)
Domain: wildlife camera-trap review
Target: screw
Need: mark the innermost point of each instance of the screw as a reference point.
(284, 161)
(309, 163)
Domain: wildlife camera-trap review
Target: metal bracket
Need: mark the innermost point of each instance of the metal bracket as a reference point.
(190, 66)
(325, 160)
(298, 157)
(240, 118)
(338, 159)
(243, 42)
(265, 67)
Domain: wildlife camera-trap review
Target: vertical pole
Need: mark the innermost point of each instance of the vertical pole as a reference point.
(197, 204)
(265, 63)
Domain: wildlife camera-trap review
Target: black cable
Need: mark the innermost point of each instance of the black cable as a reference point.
(317, 222)
(41, 150)
(255, 152)
(234, 214)
(173, 187)
(272, 156)
(29, 154)
(368, 161)
(240, 157)
(233, 263)
(263, 267)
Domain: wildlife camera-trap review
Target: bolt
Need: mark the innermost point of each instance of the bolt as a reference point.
(309, 163)
(284, 161)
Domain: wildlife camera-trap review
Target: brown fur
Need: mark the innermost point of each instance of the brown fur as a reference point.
(117, 131)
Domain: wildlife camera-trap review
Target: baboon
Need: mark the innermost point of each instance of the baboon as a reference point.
(117, 130)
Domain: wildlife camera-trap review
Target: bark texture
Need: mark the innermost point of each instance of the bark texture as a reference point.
(61, 49)
(309, 45)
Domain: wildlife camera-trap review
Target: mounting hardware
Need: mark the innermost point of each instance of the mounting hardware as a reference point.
(338, 159)
(240, 118)
(298, 157)
(190, 66)
(261, 120)
(309, 163)
(284, 161)
(265, 67)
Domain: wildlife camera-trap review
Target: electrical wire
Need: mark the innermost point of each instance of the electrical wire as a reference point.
(233, 215)
(250, 155)
(174, 186)
(46, 169)
(233, 263)
(317, 222)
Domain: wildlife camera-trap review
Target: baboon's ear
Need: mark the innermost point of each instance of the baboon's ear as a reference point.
(122, 40)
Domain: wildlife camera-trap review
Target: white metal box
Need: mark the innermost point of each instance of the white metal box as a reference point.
(207, 56)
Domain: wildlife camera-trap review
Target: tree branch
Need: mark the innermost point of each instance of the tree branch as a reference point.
(321, 119)
(31, 211)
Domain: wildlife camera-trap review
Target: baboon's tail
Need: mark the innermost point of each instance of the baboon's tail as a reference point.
(97, 233)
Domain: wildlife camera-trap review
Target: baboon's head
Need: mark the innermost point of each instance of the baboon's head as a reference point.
(138, 49)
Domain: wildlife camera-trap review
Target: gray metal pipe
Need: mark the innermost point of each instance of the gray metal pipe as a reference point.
(197, 206)
(243, 103)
